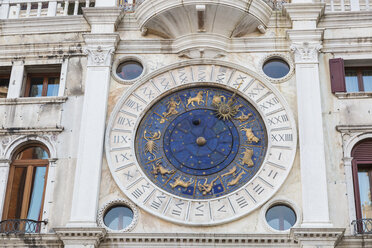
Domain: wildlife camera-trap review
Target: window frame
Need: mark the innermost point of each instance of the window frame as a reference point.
(30, 164)
(45, 77)
(359, 70)
(356, 165)
(6, 77)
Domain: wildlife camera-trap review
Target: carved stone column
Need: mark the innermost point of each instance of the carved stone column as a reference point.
(99, 49)
(306, 41)
(305, 46)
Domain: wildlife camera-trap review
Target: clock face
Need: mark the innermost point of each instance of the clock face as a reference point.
(185, 147)
(200, 144)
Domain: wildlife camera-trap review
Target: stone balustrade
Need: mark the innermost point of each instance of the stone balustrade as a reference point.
(15, 9)
(346, 5)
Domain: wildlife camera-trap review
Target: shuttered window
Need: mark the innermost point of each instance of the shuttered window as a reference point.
(337, 71)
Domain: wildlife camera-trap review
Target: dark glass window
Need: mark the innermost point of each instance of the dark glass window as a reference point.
(42, 85)
(118, 217)
(276, 68)
(4, 85)
(281, 217)
(358, 79)
(129, 70)
(26, 184)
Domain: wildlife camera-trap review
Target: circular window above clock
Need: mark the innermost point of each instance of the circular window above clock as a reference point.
(276, 68)
(129, 70)
(200, 144)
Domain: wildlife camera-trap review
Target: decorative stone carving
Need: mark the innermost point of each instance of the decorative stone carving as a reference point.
(196, 53)
(306, 52)
(100, 56)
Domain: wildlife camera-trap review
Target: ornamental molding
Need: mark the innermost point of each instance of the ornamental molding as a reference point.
(84, 236)
(283, 56)
(320, 236)
(99, 56)
(306, 52)
(118, 202)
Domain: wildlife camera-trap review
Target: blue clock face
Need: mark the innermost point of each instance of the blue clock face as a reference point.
(201, 142)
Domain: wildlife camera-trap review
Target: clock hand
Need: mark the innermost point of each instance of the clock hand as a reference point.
(226, 110)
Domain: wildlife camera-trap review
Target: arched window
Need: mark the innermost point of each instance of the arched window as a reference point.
(26, 183)
(362, 176)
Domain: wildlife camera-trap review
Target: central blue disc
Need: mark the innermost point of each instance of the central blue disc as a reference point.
(198, 143)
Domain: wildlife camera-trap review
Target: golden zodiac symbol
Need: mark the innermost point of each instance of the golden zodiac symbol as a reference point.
(160, 169)
(217, 100)
(205, 188)
(226, 110)
(236, 179)
(232, 171)
(247, 157)
(243, 117)
(151, 146)
(250, 136)
(179, 182)
(198, 98)
(171, 109)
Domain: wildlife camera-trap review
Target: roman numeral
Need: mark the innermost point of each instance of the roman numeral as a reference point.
(138, 192)
(238, 81)
(182, 75)
(255, 90)
(242, 202)
(148, 92)
(156, 203)
(199, 210)
(202, 75)
(129, 176)
(281, 137)
(222, 209)
(165, 83)
(122, 157)
(121, 139)
(272, 174)
(278, 119)
(177, 211)
(133, 105)
(221, 76)
(270, 103)
(125, 121)
(258, 189)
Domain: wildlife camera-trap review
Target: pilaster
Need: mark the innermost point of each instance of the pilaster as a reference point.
(99, 48)
(100, 45)
(16, 79)
(306, 42)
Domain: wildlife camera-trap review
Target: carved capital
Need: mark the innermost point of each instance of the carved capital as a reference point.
(306, 52)
(99, 56)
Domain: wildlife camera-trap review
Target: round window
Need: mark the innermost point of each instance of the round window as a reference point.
(281, 217)
(129, 70)
(118, 217)
(276, 68)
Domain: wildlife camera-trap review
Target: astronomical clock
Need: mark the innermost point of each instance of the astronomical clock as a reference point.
(201, 144)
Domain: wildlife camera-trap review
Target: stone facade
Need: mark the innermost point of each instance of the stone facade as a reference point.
(89, 43)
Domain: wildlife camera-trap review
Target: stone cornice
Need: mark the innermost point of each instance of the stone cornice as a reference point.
(80, 236)
(305, 35)
(44, 25)
(329, 237)
(354, 128)
(103, 19)
(30, 130)
(198, 239)
(237, 45)
(304, 11)
(33, 100)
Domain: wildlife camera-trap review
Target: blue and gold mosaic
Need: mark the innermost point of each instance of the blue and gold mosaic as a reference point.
(201, 142)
